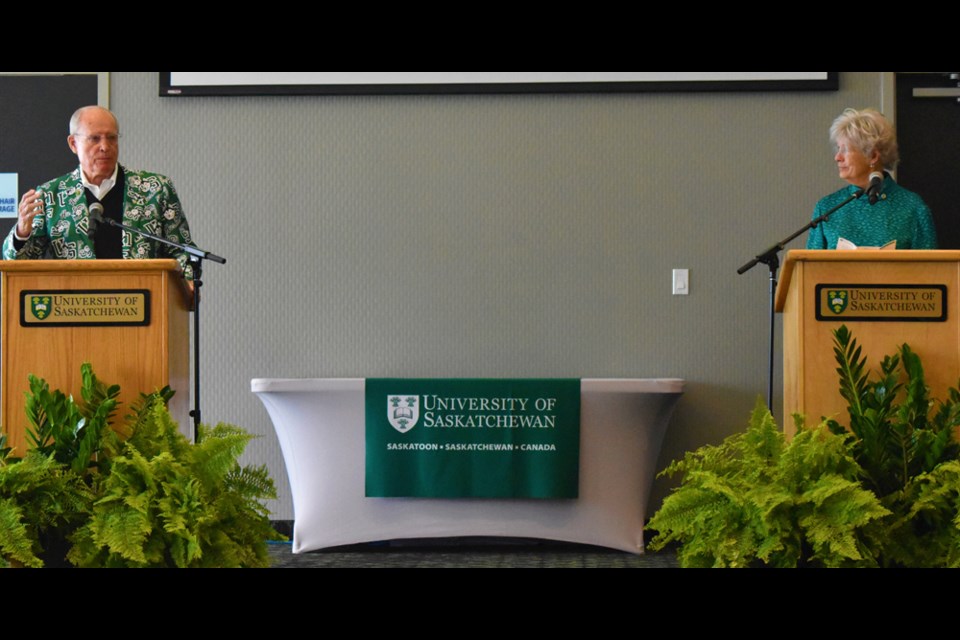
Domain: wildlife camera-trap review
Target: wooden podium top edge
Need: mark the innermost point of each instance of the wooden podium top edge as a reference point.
(88, 265)
(858, 255)
(873, 255)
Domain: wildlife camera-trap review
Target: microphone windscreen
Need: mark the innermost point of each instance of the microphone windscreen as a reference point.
(873, 190)
(96, 217)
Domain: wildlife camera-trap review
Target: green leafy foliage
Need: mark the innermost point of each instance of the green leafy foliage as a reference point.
(757, 500)
(883, 492)
(894, 442)
(5, 451)
(904, 440)
(131, 493)
(15, 542)
(167, 502)
(39, 497)
(72, 433)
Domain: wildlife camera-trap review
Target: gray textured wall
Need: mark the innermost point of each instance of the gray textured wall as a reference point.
(488, 236)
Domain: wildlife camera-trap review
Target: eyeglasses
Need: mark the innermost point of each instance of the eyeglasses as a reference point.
(111, 139)
(844, 149)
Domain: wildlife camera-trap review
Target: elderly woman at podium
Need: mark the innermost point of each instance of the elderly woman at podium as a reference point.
(885, 215)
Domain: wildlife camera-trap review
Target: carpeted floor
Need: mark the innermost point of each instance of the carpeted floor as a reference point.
(468, 554)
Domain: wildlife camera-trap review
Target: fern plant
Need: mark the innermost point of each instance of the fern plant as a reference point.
(167, 502)
(884, 491)
(757, 500)
(48, 493)
(40, 499)
(131, 493)
(925, 531)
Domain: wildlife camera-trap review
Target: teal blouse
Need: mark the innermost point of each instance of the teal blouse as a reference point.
(899, 215)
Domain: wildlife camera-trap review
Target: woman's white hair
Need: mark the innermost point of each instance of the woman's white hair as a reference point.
(869, 131)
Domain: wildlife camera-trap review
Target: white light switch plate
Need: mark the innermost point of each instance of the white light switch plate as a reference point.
(681, 282)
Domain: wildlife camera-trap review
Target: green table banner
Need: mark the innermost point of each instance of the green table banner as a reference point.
(484, 438)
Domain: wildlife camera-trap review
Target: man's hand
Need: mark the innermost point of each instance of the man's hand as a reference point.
(31, 205)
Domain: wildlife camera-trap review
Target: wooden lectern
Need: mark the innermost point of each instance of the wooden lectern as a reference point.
(128, 318)
(886, 299)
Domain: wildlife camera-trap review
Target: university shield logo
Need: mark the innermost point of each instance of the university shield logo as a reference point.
(41, 307)
(403, 412)
(837, 301)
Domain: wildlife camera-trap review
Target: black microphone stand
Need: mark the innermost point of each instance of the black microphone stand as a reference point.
(771, 258)
(197, 256)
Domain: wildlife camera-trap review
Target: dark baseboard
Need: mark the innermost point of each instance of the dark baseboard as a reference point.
(284, 527)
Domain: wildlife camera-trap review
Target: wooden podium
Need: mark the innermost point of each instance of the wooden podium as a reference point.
(128, 318)
(886, 298)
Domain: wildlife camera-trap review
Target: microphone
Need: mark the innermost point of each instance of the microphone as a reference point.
(876, 184)
(96, 217)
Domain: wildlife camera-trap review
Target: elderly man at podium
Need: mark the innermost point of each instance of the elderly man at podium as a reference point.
(54, 220)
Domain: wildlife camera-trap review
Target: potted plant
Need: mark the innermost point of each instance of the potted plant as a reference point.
(97, 492)
(882, 491)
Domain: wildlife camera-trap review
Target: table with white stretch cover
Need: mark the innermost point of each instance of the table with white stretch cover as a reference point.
(320, 424)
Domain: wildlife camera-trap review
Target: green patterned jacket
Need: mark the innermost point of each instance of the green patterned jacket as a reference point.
(149, 202)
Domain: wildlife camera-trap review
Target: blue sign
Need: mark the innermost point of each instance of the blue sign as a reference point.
(8, 195)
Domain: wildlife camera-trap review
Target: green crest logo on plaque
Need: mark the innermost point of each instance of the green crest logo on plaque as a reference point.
(41, 307)
(837, 301)
(403, 412)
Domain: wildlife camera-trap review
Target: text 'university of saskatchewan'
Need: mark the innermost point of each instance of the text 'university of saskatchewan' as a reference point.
(434, 407)
(88, 307)
(918, 303)
(92, 307)
(861, 300)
